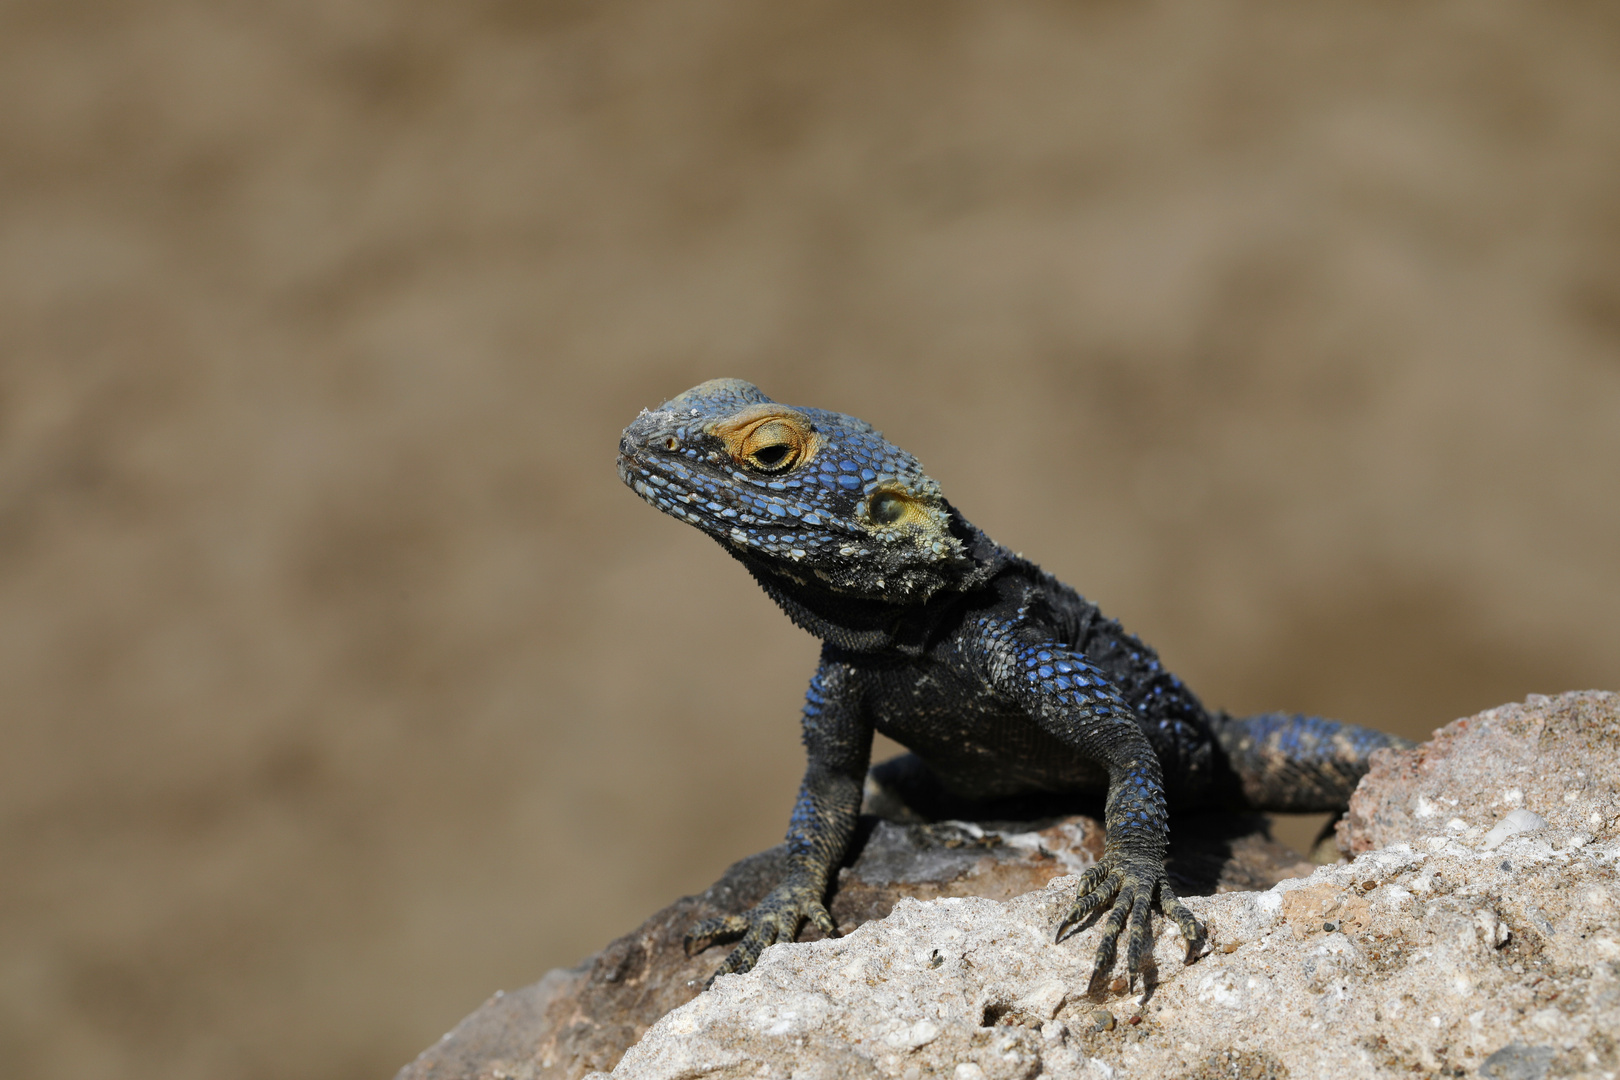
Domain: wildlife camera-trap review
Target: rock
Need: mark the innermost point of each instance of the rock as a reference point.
(1438, 953)
(1557, 759)
(1438, 968)
(574, 1021)
(1448, 946)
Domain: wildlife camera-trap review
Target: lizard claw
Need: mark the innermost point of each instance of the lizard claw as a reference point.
(776, 918)
(1088, 899)
(1131, 886)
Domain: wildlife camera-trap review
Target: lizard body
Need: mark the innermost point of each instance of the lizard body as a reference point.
(1001, 680)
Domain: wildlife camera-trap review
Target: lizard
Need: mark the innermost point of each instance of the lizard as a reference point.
(1000, 679)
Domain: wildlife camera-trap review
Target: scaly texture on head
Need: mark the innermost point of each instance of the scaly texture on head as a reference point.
(817, 499)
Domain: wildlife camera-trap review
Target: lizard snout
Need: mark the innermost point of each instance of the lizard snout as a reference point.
(638, 438)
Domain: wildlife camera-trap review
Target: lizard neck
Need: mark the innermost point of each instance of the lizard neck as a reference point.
(874, 624)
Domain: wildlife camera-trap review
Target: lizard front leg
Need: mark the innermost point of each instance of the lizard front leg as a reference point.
(1073, 699)
(838, 741)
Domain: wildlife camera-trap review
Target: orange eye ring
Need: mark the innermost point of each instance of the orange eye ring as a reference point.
(769, 439)
(773, 446)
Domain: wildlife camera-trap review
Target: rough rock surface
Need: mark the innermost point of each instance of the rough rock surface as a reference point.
(577, 1020)
(1555, 758)
(1475, 932)
(1458, 950)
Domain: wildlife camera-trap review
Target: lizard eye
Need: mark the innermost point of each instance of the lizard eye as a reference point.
(772, 447)
(771, 457)
(768, 438)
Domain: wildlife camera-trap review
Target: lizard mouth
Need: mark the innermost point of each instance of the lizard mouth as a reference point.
(676, 468)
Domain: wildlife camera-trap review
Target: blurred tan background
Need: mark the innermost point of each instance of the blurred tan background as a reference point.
(342, 681)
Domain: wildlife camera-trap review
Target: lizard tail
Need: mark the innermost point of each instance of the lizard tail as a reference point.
(1295, 764)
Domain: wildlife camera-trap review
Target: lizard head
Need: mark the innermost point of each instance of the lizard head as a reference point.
(816, 497)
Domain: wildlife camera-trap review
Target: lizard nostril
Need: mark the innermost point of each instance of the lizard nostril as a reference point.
(670, 443)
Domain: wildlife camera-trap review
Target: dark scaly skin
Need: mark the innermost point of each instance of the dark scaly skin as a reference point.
(1000, 678)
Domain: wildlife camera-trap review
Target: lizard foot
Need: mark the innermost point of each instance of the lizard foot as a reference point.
(1131, 884)
(775, 918)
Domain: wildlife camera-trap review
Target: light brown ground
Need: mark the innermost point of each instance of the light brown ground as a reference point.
(342, 681)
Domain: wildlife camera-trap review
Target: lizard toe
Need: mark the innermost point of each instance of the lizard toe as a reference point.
(742, 958)
(721, 928)
(1173, 907)
(823, 921)
(1108, 942)
(1132, 885)
(1140, 939)
(1097, 887)
(774, 919)
(768, 927)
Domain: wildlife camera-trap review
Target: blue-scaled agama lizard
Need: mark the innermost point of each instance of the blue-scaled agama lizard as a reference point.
(1001, 679)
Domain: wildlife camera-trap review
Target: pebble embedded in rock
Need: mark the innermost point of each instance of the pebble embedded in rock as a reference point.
(1516, 1061)
(1519, 821)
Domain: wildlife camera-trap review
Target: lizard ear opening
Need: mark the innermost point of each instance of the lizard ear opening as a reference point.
(894, 507)
(886, 508)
